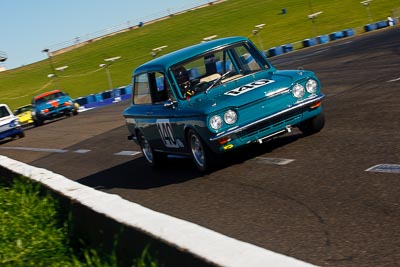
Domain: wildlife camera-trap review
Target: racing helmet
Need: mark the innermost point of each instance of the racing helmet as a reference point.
(182, 78)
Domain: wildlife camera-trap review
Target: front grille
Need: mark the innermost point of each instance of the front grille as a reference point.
(269, 124)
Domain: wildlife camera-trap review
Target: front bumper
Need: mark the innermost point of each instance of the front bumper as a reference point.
(26, 121)
(11, 132)
(277, 123)
(55, 113)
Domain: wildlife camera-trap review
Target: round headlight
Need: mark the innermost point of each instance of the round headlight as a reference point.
(230, 117)
(216, 122)
(311, 86)
(298, 90)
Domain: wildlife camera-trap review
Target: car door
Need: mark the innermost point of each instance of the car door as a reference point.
(157, 122)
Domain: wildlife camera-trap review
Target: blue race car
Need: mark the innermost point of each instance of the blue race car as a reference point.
(51, 105)
(216, 96)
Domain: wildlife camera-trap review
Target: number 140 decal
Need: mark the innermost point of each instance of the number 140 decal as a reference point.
(167, 134)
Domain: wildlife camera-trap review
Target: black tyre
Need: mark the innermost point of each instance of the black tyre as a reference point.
(202, 156)
(38, 122)
(154, 159)
(313, 125)
(21, 135)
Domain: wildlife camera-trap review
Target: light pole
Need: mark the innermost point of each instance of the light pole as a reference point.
(209, 38)
(312, 17)
(61, 68)
(54, 76)
(256, 32)
(3, 56)
(47, 51)
(106, 67)
(366, 3)
(157, 50)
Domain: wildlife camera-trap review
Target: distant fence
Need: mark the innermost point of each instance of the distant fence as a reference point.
(105, 98)
(129, 25)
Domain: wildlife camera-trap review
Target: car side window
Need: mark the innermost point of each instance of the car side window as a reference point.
(141, 87)
(4, 112)
(162, 91)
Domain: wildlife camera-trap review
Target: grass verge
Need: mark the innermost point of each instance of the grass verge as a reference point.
(34, 233)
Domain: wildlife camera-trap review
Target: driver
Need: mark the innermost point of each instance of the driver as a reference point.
(182, 77)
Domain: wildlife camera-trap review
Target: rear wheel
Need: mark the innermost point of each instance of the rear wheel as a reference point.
(153, 158)
(201, 154)
(313, 125)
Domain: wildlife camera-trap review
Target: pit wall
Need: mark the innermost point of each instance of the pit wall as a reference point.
(109, 223)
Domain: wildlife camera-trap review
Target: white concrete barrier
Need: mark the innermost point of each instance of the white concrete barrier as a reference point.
(101, 216)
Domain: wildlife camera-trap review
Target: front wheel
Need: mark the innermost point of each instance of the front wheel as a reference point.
(38, 122)
(201, 154)
(313, 125)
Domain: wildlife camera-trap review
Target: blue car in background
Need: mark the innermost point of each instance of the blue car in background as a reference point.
(9, 124)
(217, 96)
(51, 105)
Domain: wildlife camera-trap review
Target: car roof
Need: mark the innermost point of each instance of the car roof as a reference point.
(165, 61)
(47, 93)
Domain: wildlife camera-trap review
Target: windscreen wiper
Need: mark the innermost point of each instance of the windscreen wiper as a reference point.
(223, 76)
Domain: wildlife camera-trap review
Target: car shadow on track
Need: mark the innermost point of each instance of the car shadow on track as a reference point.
(8, 140)
(256, 150)
(136, 174)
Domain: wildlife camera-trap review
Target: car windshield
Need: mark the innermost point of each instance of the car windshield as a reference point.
(203, 72)
(4, 112)
(49, 97)
(22, 110)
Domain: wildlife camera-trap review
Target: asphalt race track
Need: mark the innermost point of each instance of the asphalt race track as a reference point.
(307, 197)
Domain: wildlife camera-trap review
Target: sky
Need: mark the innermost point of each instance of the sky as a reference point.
(27, 27)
